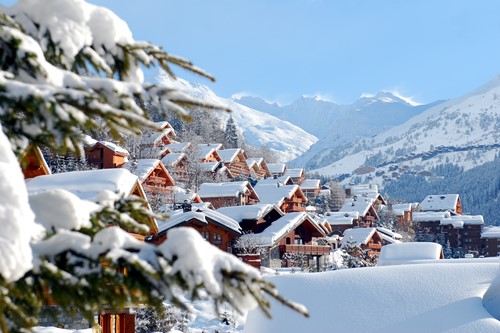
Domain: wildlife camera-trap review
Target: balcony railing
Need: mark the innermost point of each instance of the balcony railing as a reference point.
(306, 249)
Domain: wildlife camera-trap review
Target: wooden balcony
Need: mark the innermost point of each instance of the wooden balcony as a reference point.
(316, 250)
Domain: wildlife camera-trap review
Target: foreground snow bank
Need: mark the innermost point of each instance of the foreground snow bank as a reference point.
(443, 296)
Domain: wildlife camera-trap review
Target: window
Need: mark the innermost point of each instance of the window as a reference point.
(297, 241)
(217, 239)
(205, 234)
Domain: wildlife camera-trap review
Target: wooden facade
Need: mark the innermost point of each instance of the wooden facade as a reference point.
(103, 157)
(33, 163)
(236, 161)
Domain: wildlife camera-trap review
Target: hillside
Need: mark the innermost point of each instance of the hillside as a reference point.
(258, 128)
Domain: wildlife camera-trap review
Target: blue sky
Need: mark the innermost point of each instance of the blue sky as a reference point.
(338, 50)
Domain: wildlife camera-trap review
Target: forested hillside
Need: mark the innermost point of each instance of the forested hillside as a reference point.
(479, 188)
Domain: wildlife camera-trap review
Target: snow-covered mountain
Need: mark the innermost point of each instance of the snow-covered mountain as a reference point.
(464, 131)
(338, 126)
(258, 128)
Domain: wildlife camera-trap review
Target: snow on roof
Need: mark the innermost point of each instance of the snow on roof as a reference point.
(362, 188)
(294, 173)
(178, 217)
(205, 151)
(403, 253)
(458, 221)
(228, 189)
(216, 146)
(142, 167)
(172, 159)
(256, 160)
(389, 233)
(248, 212)
(86, 185)
(360, 236)
(179, 147)
(310, 184)
(273, 194)
(400, 209)
(209, 166)
(228, 155)
(438, 297)
(429, 216)
(439, 202)
(388, 238)
(491, 232)
(341, 218)
(276, 167)
(279, 228)
(278, 180)
(359, 204)
(152, 137)
(114, 147)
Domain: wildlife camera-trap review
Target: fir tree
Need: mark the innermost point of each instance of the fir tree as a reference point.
(231, 134)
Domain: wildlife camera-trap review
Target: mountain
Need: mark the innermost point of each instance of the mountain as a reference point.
(464, 131)
(338, 126)
(258, 128)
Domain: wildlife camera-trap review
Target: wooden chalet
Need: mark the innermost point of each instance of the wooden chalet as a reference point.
(236, 161)
(388, 236)
(164, 137)
(207, 153)
(153, 176)
(180, 147)
(276, 181)
(442, 203)
(289, 198)
(218, 229)
(460, 231)
(297, 175)
(311, 188)
(365, 207)
(33, 163)
(258, 168)
(228, 194)
(276, 169)
(341, 221)
(403, 213)
(106, 155)
(253, 218)
(292, 233)
(491, 241)
(177, 165)
(366, 238)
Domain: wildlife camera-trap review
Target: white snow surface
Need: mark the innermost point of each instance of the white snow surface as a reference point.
(439, 202)
(16, 217)
(360, 236)
(491, 232)
(248, 212)
(404, 253)
(258, 128)
(142, 167)
(442, 296)
(272, 194)
(179, 217)
(226, 189)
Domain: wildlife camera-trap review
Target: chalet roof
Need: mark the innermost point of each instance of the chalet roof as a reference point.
(282, 226)
(310, 184)
(229, 155)
(362, 188)
(389, 233)
(388, 238)
(491, 232)
(404, 253)
(179, 217)
(272, 194)
(359, 204)
(282, 180)
(458, 221)
(216, 146)
(400, 209)
(249, 212)
(341, 218)
(152, 137)
(205, 151)
(209, 166)
(163, 124)
(179, 147)
(227, 189)
(429, 216)
(439, 202)
(173, 159)
(182, 196)
(254, 160)
(276, 167)
(294, 173)
(113, 147)
(87, 185)
(142, 167)
(360, 236)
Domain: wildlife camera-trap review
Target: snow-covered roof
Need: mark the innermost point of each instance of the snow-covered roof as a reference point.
(153, 137)
(294, 173)
(341, 218)
(179, 217)
(142, 167)
(310, 184)
(172, 159)
(439, 202)
(276, 167)
(86, 185)
(248, 212)
(491, 232)
(404, 253)
(228, 155)
(227, 189)
(429, 216)
(360, 236)
(388, 238)
(400, 209)
(113, 147)
(256, 160)
(273, 194)
(179, 147)
(279, 228)
(216, 146)
(282, 180)
(209, 166)
(359, 204)
(458, 221)
(388, 232)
